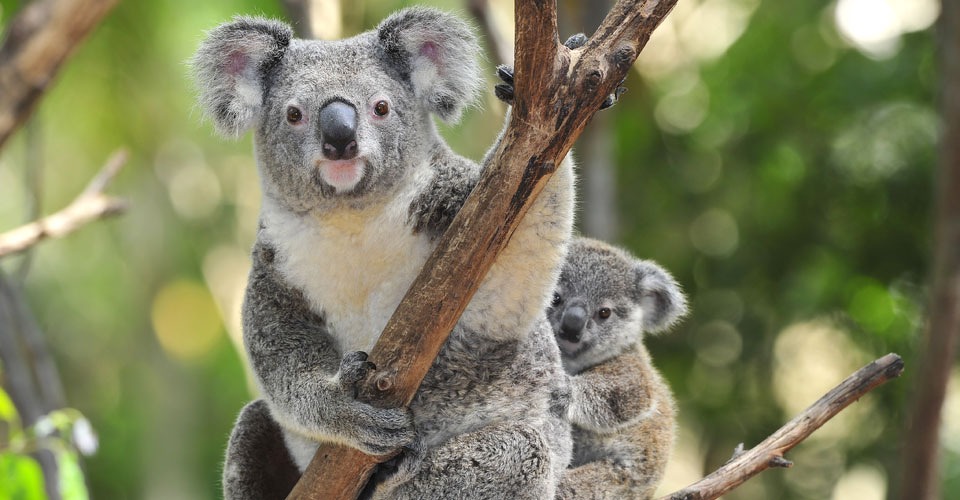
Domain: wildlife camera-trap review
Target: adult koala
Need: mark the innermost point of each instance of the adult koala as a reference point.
(357, 186)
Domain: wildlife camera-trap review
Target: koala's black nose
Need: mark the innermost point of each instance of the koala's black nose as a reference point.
(572, 322)
(338, 130)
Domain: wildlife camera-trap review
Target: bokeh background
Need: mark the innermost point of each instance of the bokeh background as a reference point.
(777, 157)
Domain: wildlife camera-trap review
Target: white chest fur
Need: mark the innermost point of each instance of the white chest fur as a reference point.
(353, 265)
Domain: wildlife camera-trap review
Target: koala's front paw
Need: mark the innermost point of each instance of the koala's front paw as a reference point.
(505, 90)
(372, 430)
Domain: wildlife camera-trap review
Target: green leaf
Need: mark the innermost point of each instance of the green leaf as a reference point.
(72, 485)
(22, 478)
(8, 412)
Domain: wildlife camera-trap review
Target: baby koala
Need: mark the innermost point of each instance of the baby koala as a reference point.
(621, 409)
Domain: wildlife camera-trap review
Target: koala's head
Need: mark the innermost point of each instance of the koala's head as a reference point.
(606, 299)
(337, 120)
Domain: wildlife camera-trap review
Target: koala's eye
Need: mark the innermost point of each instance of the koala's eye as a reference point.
(381, 108)
(604, 312)
(556, 300)
(294, 115)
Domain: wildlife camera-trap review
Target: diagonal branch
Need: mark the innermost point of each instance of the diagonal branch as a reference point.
(90, 205)
(769, 453)
(39, 39)
(553, 103)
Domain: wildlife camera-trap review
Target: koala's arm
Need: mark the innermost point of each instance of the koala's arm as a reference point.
(310, 388)
(615, 393)
(436, 205)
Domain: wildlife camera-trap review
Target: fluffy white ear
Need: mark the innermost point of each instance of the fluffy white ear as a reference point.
(229, 69)
(659, 296)
(437, 53)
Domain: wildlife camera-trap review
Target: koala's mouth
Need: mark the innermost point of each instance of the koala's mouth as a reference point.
(342, 175)
(568, 348)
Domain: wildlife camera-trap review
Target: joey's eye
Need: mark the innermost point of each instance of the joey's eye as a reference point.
(556, 300)
(604, 312)
(381, 108)
(294, 115)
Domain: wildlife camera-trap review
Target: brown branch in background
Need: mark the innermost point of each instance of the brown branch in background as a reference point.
(498, 44)
(38, 41)
(556, 94)
(746, 464)
(321, 19)
(29, 373)
(90, 205)
(938, 348)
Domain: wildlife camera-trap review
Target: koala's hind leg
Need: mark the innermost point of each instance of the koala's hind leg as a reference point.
(258, 465)
(496, 462)
(604, 480)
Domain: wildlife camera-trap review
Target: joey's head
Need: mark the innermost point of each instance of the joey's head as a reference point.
(337, 120)
(606, 299)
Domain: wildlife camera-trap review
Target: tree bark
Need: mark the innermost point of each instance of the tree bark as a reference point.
(39, 39)
(921, 468)
(557, 91)
(769, 453)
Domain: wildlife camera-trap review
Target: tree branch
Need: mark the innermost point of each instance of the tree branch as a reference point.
(90, 205)
(746, 464)
(496, 43)
(938, 348)
(38, 41)
(553, 103)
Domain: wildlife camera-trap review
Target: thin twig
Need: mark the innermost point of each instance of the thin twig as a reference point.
(92, 204)
(769, 453)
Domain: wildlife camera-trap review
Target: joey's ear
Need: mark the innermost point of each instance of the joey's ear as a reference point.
(659, 295)
(438, 53)
(229, 69)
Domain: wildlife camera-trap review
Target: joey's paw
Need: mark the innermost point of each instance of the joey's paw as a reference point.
(354, 367)
(401, 468)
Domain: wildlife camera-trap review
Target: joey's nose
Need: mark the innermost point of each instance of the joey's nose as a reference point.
(572, 322)
(338, 130)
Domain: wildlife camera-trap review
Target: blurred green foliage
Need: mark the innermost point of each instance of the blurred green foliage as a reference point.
(62, 432)
(779, 166)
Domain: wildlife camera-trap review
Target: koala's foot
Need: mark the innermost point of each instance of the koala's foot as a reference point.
(492, 463)
(258, 465)
(375, 431)
(505, 90)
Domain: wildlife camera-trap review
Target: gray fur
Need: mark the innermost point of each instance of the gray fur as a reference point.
(621, 408)
(341, 241)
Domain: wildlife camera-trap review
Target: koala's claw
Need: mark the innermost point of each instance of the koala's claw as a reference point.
(354, 367)
(505, 90)
(576, 41)
(612, 98)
